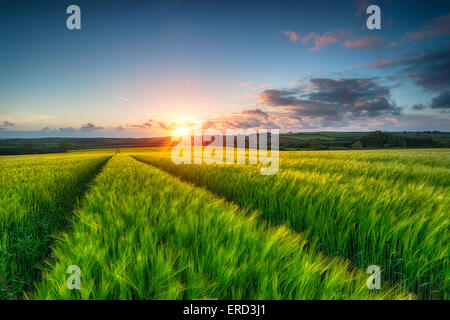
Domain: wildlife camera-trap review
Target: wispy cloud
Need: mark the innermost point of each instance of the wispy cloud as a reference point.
(154, 124)
(8, 124)
(439, 26)
(320, 40)
(122, 98)
(20, 118)
(292, 35)
(428, 69)
(90, 127)
(364, 43)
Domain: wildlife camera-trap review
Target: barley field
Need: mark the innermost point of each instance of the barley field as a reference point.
(140, 227)
(37, 196)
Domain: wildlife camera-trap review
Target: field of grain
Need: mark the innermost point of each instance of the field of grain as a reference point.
(38, 194)
(140, 227)
(385, 208)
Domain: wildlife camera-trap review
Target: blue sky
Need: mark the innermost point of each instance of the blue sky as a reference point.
(142, 68)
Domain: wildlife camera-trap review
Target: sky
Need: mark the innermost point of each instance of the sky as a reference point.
(145, 68)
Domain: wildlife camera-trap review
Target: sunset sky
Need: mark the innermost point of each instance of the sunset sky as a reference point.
(143, 68)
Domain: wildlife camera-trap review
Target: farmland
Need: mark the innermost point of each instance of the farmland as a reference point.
(140, 227)
(388, 208)
(36, 200)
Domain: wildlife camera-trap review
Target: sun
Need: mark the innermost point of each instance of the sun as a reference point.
(181, 131)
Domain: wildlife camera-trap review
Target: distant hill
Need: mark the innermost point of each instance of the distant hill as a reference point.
(371, 140)
(55, 145)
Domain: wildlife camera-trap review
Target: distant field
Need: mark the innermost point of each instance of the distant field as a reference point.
(288, 141)
(225, 231)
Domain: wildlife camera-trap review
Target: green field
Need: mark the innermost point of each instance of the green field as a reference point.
(140, 227)
(38, 194)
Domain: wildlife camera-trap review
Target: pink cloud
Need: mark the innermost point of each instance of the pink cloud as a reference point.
(365, 42)
(439, 26)
(309, 36)
(292, 35)
(321, 41)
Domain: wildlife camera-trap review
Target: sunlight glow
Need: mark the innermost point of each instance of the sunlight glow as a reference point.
(181, 131)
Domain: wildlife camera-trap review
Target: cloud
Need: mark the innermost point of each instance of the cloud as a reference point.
(122, 98)
(8, 124)
(321, 41)
(292, 35)
(419, 106)
(442, 101)
(60, 129)
(376, 108)
(245, 119)
(347, 91)
(256, 111)
(274, 97)
(380, 64)
(90, 127)
(154, 124)
(333, 99)
(429, 70)
(20, 118)
(67, 129)
(439, 26)
(317, 103)
(364, 43)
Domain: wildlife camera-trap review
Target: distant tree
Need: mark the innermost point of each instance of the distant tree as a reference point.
(317, 144)
(420, 142)
(395, 140)
(65, 146)
(380, 139)
(357, 145)
(28, 148)
(447, 144)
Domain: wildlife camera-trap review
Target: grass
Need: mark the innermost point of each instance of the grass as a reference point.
(388, 208)
(37, 196)
(143, 234)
